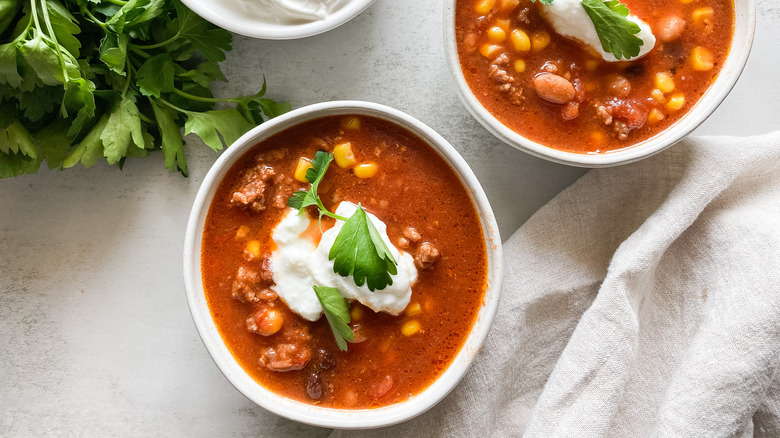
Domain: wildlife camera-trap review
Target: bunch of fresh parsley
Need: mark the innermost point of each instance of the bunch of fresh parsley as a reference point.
(617, 34)
(358, 251)
(83, 80)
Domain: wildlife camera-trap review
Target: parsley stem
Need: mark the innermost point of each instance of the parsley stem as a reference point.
(140, 53)
(172, 105)
(94, 19)
(156, 45)
(117, 2)
(35, 15)
(53, 37)
(200, 98)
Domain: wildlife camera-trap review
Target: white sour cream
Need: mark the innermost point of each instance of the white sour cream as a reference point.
(569, 19)
(290, 11)
(298, 265)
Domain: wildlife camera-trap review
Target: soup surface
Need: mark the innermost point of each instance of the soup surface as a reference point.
(509, 54)
(428, 214)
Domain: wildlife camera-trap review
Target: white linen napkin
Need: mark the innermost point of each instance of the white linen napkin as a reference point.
(644, 300)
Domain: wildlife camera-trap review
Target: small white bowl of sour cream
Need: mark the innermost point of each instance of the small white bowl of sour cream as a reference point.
(278, 19)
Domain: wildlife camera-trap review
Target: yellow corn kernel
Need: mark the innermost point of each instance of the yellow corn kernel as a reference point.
(686, 2)
(664, 82)
(520, 40)
(508, 5)
(352, 123)
(410, 327)
(596, 137)
(655, 116)
(496, 35)
(519, 66)
(484, 6)
(503, 24)
(253, 247)
(242, 232)
(304, 164)
(658, 96)
(676, 102)
(343, 155)
(540, 41)
(490, 51)
(365, 170)
(701, 59)
(592, 64)
(356, 313)
(702, 16)
(414, 309)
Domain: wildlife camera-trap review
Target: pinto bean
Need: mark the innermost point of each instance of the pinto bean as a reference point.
(554, 88)
(265, 321)
(618, 85)
(670, 28)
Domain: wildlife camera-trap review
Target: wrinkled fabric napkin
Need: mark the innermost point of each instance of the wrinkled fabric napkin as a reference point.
(643, 301)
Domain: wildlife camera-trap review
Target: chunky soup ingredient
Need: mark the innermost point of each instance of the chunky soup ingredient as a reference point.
(354, 357)
(556, 72)
(86, 80)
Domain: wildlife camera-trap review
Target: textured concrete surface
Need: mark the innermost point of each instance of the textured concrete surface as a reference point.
(95, 335)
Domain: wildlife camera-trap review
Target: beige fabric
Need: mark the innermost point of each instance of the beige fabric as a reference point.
(644, 300)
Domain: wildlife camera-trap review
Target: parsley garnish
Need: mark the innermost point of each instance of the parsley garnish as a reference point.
(358, 250)
(336, 312)
(616, 33)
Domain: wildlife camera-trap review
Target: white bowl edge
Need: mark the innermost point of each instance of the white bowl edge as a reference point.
(305, 413)
(742, 41)
(235, 22)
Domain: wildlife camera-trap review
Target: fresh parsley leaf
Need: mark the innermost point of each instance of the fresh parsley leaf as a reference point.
(210, 40)
(359, 251)
(302, 199)
(156, 75)
(90, 149)
(336, 312)
(544, 2)
(43, 58)
(124, 126)
(230, 124)
(616, 33)
(172, 145)
(9, 74)
(113, 52)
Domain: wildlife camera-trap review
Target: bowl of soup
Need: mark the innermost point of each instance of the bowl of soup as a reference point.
(342, 265)
(278, 19)
(586, 84)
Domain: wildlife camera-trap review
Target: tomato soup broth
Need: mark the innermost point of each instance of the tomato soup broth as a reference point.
(393, 357)
(615, 104)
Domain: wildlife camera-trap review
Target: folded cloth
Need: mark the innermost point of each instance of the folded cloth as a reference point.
(644, 300)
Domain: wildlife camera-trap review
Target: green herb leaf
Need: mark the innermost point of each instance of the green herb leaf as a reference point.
(156, 75)
(359, 251)
(44, 60)
(616, 33)
(302, 199)
(9, 74)
(227, 123)
(209, 40)
(91, 147)
(544, 2)
(113, 52)
(172, 144)
(336, 311)
(124, 125)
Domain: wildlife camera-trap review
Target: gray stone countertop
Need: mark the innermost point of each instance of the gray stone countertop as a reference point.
(95, 335)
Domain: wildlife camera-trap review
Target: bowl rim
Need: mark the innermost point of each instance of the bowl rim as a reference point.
(216, 14)
(310, 414)
(739, 52)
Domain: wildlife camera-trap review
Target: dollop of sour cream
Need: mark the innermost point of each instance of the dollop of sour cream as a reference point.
(290, 11)
(569, 19)
(298, 265)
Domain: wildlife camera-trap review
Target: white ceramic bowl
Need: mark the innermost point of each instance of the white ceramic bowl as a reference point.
(305, 413)
(744, 28)
(232, 19)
